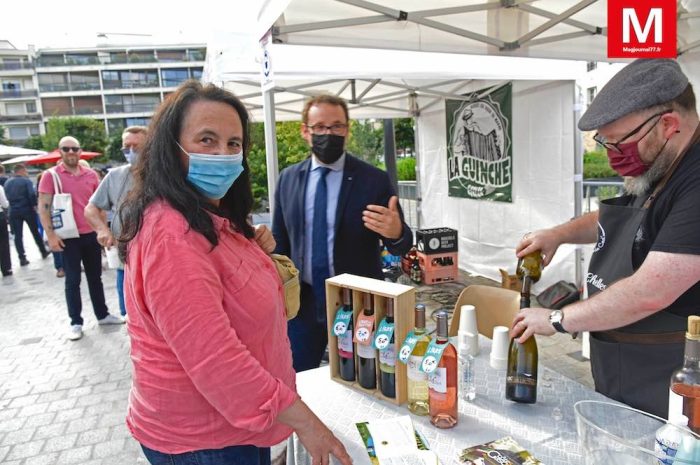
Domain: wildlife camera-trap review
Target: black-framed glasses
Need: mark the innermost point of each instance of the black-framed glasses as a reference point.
(68, 149)
(616, 145)
(337, 129)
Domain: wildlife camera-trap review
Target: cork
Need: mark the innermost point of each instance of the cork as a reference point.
(420, 316)
(347, 297)
(693, 327)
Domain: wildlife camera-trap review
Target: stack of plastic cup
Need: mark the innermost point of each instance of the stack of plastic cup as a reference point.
(468, 331)
(499, 348)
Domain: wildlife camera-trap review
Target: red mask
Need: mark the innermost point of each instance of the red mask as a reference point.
(627, 163)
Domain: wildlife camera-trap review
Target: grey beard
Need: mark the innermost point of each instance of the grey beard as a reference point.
(639, 185)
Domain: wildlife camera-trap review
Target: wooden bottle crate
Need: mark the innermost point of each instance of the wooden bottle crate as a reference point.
(404, 298)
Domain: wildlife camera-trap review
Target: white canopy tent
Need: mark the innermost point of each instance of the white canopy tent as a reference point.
(467, 46)
(8, 152)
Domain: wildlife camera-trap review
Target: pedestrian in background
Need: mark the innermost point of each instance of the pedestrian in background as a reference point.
(19, 191)
(5, 261)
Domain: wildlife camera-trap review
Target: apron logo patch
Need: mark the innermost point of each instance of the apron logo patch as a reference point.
(601, 238)
(595, 281)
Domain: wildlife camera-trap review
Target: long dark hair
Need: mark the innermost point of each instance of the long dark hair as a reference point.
(159, 174)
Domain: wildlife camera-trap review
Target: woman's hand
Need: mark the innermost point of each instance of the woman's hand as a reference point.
(264, 238)
(318, 440)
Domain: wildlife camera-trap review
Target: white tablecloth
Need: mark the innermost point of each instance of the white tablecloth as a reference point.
(547, 429)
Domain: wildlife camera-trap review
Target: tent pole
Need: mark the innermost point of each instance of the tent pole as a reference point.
(578, 181)
(390, 153)
(270, 146)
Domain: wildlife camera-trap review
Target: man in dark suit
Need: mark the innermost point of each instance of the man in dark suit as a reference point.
(361, 209)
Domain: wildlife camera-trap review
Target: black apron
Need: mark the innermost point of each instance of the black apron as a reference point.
(632, 364)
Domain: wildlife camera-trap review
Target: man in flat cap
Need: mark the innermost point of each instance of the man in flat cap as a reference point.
(643, 275)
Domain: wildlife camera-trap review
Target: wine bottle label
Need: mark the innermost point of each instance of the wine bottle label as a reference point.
(342, 320)
(524, 380)
(432, 356)
(366, 351)
(437, 380)
(413, 369)
(675, 403)
(345, 343)
(363, 330)
(407, 347)
(388, 356)
(383, 335)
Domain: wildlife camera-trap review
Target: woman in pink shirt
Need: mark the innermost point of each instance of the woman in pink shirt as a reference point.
(213, 381)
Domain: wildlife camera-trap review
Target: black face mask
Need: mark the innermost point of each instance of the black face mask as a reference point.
(327, 147)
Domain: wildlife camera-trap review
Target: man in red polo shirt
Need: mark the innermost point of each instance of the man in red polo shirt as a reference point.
(80, 183)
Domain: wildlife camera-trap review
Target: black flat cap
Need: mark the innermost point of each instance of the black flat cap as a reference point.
(639, 85)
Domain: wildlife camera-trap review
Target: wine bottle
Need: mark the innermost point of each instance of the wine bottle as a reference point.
(521, 375)
(387, 359)
(684, 396)
(417, 380)
(366, 355)
(346, 354)
(442, 383)
(416, 272)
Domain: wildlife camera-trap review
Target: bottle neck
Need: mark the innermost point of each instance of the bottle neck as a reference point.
(691, 358)
(418, 331)
(525, 292)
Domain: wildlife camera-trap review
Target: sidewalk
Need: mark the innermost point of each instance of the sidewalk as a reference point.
(61, 402)
(64, 402)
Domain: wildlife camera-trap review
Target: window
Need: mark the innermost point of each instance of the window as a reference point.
(31, 107)
(84, 81)
(174, 77)
(34, 130)
(171, 55)
(11, 63)
(81, 59)
(53, 82)
(591, 65)
(18, 132)
(137, 121)
(14, 109)
(115, 126)
(592, 91)
(196, 73)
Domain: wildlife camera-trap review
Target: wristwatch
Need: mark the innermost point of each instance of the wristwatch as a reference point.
(556, 317)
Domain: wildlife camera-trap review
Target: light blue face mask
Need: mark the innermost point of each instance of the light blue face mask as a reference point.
(130, 155)
(213, 175)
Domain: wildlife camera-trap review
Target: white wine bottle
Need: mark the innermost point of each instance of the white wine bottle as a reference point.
(418, 380)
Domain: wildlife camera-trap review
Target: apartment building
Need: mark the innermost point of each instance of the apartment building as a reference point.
(20, 106)
(120, 86)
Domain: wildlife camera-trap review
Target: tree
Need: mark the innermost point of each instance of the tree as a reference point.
(113, 150)
(90, 133)
(2, 136)
(366, 140)
(34, 142)
(405, 137)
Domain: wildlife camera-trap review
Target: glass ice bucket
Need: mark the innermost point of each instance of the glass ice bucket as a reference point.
(610, 433)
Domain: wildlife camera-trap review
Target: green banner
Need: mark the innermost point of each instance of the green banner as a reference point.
(479, 148)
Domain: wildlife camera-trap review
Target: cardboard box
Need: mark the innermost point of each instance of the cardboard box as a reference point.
(404, 298)
(436, 240)
(439, 268)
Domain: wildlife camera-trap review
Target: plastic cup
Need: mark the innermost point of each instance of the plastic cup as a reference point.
(467, 319)
(113, 261)
(611, 433)
(499, 348)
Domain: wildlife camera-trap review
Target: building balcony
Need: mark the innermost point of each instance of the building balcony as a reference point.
(44, 61)
(18, 93)
(25, 117)
(131, 107)
(136, 84)
(15, 66)
(69, 86)
(75, 111)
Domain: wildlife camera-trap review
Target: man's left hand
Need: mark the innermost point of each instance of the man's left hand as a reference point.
(530, 321)
(264, 238)
(385, 221)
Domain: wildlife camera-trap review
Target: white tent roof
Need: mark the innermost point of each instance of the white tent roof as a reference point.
(8, 151)
(376, 83)
(568, 29)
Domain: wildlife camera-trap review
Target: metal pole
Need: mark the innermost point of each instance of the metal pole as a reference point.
(390, 153)
(578, 182)
(270, 146)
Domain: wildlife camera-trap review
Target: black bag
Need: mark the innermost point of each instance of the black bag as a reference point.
(558, 295)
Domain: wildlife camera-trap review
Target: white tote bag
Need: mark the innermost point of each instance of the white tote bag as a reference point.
(62, 213)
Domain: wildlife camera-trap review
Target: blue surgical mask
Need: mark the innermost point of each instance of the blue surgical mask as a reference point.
(213, 175)
(130, 155)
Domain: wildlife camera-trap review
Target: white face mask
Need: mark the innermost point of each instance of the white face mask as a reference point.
(130, 155)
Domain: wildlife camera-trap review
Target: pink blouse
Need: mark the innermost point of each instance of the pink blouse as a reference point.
(212, 361)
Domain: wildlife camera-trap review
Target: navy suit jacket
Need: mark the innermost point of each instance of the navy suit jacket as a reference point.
(356, 248)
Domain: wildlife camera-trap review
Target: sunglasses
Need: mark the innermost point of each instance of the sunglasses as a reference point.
(68, 149)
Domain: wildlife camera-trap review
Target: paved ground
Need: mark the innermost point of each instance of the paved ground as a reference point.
(64, 402)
